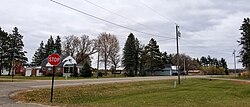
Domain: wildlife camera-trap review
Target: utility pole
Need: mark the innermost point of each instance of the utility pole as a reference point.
(184, 65)
(97, 64)
(178, 34)
(234, 63)
(97, 60)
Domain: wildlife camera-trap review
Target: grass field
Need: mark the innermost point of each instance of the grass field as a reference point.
(191, 93)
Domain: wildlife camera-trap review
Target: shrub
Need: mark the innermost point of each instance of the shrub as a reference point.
(59, 74)
(213, 70)
(99, 74)
(86, 70)
(245, 74)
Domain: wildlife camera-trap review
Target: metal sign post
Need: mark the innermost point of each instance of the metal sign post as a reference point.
(52, 87)
(54, 60)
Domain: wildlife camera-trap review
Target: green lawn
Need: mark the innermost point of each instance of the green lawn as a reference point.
(191, 93)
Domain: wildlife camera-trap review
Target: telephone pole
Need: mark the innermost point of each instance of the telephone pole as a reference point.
(234, 62)
(178, 34)
(184, 65)
(98, 60)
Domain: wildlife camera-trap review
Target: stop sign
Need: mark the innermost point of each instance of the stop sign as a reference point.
(54, 59)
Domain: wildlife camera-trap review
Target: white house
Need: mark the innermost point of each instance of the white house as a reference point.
(169, 70)
(67, 66)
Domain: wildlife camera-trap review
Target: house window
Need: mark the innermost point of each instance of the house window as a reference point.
(66, 70)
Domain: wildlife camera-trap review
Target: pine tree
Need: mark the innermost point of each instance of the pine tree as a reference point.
(16, 48)
(39, 55)
(3, 49)
(58, 45)
(137, 52)
(155, 57)
(166, 58)
(49, 47)
(223, 64)
(129, 52)
(245, 43)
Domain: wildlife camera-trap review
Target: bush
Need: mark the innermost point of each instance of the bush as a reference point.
(99, 74)
(59, 74)
(244, 74)
(86, 70)
(213, 70)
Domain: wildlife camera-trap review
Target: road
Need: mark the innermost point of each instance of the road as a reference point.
(10, 88)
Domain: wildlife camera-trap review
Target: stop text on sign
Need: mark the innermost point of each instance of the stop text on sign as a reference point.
(54, 59)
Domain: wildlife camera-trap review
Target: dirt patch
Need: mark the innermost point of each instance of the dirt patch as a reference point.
(241, 82)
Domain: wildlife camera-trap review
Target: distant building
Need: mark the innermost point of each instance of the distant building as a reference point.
(195, 72)
(168, 70)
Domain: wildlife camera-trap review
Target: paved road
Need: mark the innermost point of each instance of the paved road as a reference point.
(9, 88)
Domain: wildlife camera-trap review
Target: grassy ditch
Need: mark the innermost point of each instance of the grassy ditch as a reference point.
(191, 93)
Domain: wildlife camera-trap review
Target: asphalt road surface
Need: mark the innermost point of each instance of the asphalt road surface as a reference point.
(10, 88)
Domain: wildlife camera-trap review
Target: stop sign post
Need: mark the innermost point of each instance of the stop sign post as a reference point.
(54, 60)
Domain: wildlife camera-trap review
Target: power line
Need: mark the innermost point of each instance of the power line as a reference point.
(167, 19)
(94, 4)
(104, 19)
(165, 40)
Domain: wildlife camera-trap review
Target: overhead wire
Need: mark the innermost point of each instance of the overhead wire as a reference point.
(164, 17)
(124, 17)
(101, 19)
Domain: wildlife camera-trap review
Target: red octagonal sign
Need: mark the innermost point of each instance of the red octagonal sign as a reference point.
(54, 59)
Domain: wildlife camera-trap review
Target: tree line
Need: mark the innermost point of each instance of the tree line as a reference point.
(136, 58)
(81, 48)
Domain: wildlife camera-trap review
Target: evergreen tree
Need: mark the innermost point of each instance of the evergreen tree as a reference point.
(58, 45)
(245, 43)
(155, 58)
(204, 61)
(129, 54)
(3, 48)
(39, 55)
(137, 52)
(49, 47)
(223, 64)
(166, 58)
(142, 60)
(16, 48)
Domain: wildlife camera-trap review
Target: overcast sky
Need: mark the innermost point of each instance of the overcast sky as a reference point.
(208, 27)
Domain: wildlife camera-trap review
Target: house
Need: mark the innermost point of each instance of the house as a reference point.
(33, 71)
(4, 71)
(67, 67)
(168, 70)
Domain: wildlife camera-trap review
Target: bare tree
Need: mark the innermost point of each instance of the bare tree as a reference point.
(86, 48)
(79, 47)
(70, 45)
(114, 57)
(108, 47)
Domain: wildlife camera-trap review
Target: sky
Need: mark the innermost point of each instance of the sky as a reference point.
(208, 27)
